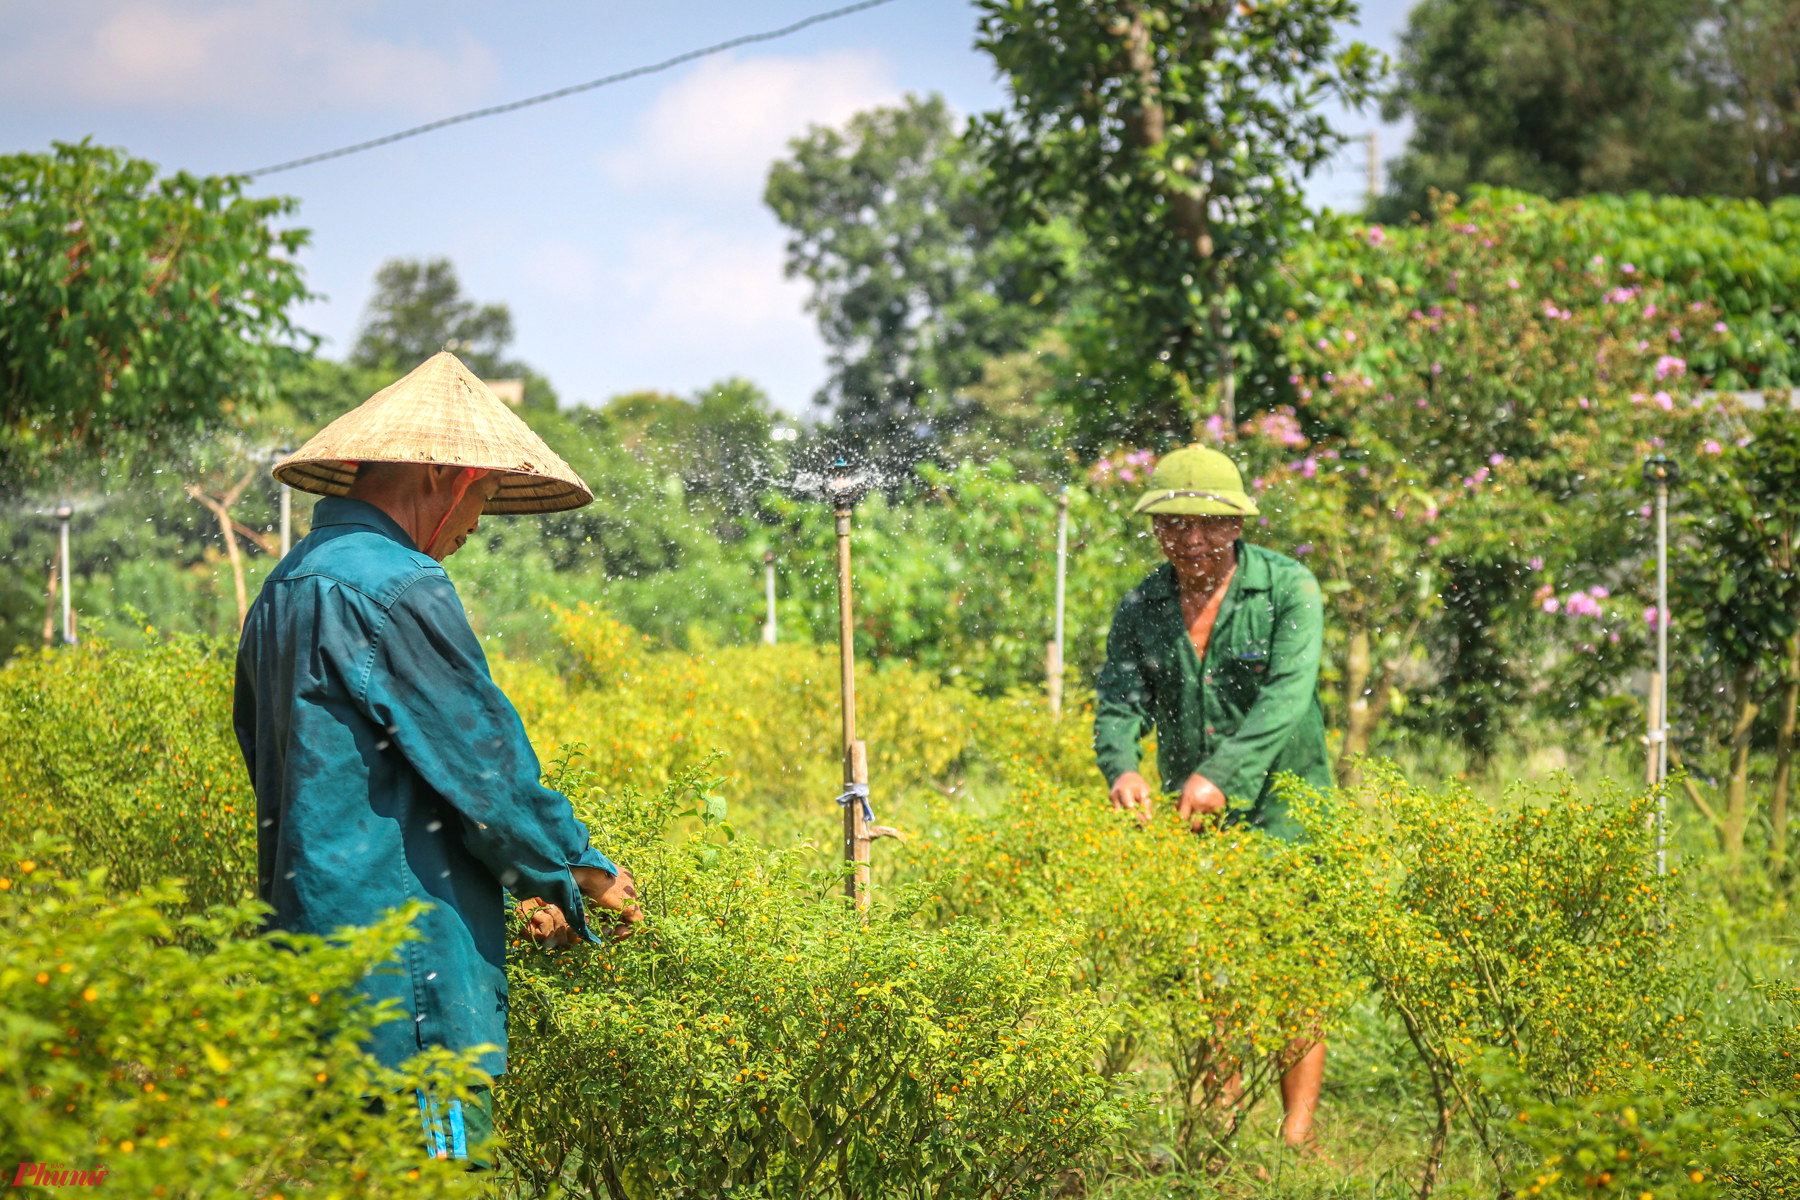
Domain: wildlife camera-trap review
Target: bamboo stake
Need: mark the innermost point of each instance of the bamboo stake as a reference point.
(856, 754)
(1054, 657)
(50, 608)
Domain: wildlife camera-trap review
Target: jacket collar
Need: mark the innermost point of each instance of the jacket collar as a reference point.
(1252, 575)
(342, 510)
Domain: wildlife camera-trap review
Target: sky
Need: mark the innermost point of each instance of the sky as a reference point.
(624, 227)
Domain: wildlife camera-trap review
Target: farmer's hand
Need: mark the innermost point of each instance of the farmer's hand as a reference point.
(545, 923)
(1200, 799)
(616, 893)
(1131, 793)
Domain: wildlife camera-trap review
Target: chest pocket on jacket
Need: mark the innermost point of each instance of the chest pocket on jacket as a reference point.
(1247, 659)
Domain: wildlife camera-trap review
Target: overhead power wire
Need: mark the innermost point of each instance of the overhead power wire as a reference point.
(559, 93)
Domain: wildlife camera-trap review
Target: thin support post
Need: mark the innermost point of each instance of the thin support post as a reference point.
(1057, 645)
(68, 615)
(1661, 742)
(768, 629)
(50, 608)
(856, 759)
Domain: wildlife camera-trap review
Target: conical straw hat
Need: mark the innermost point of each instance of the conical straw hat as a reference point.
(439, 414)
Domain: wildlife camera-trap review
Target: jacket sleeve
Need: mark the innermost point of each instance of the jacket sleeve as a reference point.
(1121, 697)
(428, 685)
(1240, 765)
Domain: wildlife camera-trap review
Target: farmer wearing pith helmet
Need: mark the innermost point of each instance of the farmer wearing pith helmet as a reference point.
(387, 765)
(1217, 650)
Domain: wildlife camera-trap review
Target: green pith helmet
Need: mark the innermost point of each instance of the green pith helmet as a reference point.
(1196, 481)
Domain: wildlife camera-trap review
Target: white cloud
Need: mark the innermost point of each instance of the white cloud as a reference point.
(271, 56)
(718, 127)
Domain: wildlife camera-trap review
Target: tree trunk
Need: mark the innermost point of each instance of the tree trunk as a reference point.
(1784, 756)
(1744, 708)
(1356, 703)
(221, 508)
(1366, 693)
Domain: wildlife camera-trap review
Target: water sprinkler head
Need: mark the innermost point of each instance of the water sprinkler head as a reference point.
(840, 485)
(1659, 468)
(65, 510)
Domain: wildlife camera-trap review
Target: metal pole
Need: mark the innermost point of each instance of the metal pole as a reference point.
(64, 511)
(856, 757)
(1662, 672)
(1057, 645)
(769, 593)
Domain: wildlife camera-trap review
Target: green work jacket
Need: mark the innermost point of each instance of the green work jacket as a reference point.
(1248, 713)
(388, 767)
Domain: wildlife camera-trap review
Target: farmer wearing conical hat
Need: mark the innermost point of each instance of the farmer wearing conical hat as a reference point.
(1217, 650)
(387, 765)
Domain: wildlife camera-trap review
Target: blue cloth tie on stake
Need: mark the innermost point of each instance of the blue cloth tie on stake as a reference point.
(857, 791)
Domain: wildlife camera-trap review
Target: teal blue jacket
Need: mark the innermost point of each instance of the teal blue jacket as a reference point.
(388, 767)
(1248, 713)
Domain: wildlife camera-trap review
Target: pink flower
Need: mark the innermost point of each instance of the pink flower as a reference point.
(1303, 549)
(1551, 604)
(1215, 427)
(1638, 397)
(1665, 400)
(1128, 475)
(1376, 235)
(1309, 467)
(1711, 446)
(1649, 312)
(1583, 401)
(1629, 269)
(1495, 460)
(1668, 365)
(1544, 593)
(1513, 284)
(1598, 592)
(1536, 563)
(1437, 368)
(1650, 616)
(1718, 327)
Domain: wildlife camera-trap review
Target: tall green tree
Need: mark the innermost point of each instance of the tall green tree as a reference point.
(1751, 49)
(133, 303)
(1176, 133)
(419, 308)
(916, 282)
(1568, 97)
